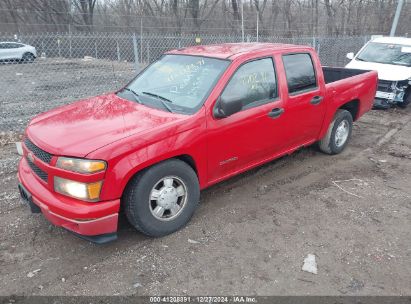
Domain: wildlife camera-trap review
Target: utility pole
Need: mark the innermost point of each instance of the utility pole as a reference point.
(242, 21)
(396, 17)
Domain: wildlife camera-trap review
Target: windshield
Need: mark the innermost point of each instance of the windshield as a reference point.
(386, 53)
(177, 83)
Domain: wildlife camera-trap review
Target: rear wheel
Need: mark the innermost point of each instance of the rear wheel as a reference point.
(162, 199)
(338, 134)
(28, 57)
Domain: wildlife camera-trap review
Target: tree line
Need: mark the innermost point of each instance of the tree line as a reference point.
(283, 18)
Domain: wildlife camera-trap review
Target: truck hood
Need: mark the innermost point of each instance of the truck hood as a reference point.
(389, 72)
(82, 127)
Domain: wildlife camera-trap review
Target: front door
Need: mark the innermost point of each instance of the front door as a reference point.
(253, 134)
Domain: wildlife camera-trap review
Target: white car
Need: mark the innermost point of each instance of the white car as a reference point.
(391, 58)
(16, 51)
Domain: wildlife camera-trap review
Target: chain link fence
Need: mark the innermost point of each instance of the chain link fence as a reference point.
(73, 66)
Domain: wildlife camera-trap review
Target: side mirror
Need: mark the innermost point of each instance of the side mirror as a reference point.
(350, 55)
(227, 106)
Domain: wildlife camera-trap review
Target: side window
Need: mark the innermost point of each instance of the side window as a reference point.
(14, 45)
(254, 83)
(8, 45)
(299, 70)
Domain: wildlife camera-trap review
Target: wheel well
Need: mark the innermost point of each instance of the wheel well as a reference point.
(189, 161)
(184, 157)
(28, 53)
(352, 107)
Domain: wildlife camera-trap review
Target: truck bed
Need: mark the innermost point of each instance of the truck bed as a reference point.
(332, 74)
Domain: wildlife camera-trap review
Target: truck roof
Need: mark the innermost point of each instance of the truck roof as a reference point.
(227, 50)
(393, 40)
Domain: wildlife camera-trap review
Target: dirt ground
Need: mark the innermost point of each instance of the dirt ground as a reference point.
(250, 234)
(253, 231)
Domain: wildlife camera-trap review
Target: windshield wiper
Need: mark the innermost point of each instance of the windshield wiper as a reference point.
(360, 59)
(162, 99)
(136, 96)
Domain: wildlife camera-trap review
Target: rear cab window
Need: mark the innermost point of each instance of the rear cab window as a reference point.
(300, 73)
(254, 83)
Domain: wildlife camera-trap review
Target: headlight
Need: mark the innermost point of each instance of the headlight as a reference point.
(402, 84)
(84, 191)
(81, 165)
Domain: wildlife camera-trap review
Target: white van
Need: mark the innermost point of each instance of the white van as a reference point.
(391, 58)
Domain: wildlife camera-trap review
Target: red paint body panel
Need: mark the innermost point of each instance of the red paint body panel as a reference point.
(80, 217)
(92, 123)
(131, 137)
(232, 50)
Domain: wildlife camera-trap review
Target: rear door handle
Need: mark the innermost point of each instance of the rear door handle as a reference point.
(274, 113)
(316, 100)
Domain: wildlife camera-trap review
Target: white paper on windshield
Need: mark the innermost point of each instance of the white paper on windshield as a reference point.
(406, 49)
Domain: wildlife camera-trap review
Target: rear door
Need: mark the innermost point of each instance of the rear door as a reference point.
(256, 132)
(305, 106)
(16, 50)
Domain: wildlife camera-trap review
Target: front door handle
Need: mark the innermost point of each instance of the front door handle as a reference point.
(316, 100)
(274, 113)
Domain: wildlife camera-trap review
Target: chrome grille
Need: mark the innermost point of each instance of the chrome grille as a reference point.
(39, 153)
(384, 86)
(39, 172)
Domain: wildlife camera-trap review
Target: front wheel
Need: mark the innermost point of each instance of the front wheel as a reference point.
(162, 199)
(28, 57)
(338, 134)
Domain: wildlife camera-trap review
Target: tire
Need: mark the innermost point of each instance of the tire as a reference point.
(151, 192)
(407, 99)
(334, 141)
(27, 57)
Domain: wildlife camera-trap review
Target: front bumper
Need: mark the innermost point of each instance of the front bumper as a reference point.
(390, 93)
(382, 104)
(92, 221)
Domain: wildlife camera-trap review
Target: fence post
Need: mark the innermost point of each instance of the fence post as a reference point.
(95, 49)
(118, 51)
(136, 63)
(314, 43)
(58, 44)
(141, 40)
(69, 28)
(148, 52)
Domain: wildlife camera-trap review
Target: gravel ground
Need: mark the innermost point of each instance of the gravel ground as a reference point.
(250, 234)
(29, 89)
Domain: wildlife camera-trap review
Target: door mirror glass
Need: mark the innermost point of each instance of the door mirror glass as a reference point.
(350, 55)
(227, 106)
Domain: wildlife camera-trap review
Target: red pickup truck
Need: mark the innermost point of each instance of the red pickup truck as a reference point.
(195, 117)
